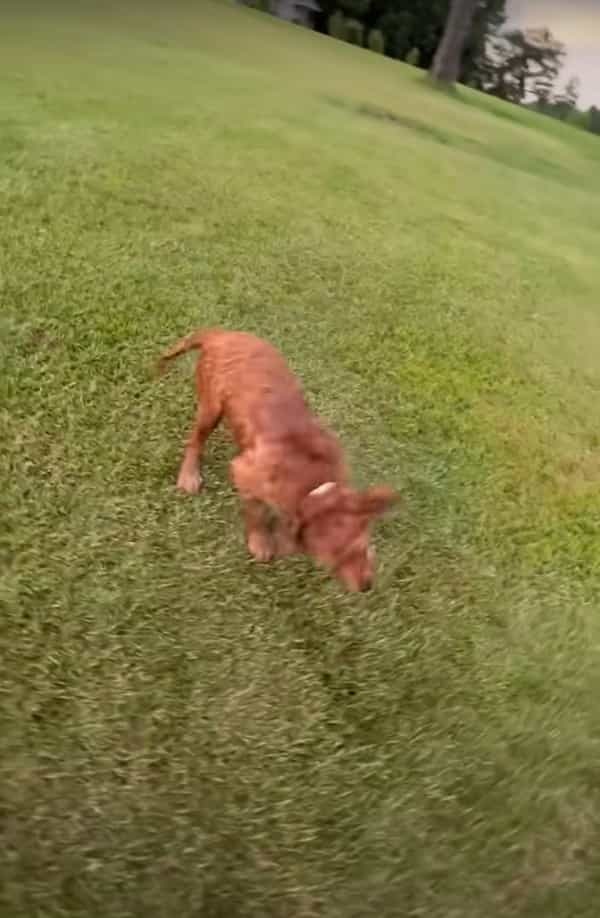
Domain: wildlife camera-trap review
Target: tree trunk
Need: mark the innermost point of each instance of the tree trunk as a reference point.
(446, 63)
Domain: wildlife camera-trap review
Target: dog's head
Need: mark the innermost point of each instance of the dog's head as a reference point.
(335, 529)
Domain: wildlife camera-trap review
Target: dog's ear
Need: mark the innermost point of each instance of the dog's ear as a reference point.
(321, 500)
(374, 501)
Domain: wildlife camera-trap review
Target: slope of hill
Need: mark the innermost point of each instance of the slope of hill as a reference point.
(185, 732)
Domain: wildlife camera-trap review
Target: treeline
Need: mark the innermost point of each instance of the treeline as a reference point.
(520, 66)
(410, 30)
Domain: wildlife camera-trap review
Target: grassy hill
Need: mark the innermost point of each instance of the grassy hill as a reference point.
(185, 732)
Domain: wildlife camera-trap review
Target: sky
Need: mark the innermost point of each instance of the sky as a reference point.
(577, 24)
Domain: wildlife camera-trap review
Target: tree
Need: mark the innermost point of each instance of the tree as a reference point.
(543, 90)
(356, 9)
(566, 101)
(355, 32)
(408, 24)
(520, 60)
(489, 18)
(376, 41)
(447, 61)
(413, 57)
(396, 26)
(594, 120)
(336, 25)
(572, 91)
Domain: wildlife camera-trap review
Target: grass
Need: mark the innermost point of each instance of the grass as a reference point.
(184, 732)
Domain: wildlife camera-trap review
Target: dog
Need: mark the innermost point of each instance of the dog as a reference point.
(290, 473)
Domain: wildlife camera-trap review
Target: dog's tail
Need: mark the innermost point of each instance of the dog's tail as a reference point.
(191, 342)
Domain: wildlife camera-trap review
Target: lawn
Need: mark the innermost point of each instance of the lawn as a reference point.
(184, 732)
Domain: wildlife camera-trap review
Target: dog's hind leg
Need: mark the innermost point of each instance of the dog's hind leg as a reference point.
(207, 418)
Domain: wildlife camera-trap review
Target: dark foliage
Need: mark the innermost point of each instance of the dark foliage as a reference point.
(419, 24)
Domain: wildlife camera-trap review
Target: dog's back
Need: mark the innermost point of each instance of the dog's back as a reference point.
(259, 394)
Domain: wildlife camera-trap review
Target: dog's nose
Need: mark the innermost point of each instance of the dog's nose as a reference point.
(366, 585)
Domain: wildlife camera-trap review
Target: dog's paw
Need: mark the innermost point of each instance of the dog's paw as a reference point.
(190, 482)
(260, 546)
(285, 544)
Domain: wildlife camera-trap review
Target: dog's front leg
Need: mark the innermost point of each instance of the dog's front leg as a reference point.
(246, 475)
(285, 536)
(261, 544)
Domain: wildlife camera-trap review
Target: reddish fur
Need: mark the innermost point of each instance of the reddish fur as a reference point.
(285, 453)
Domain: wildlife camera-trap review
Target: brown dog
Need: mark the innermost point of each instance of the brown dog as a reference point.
(289, 465)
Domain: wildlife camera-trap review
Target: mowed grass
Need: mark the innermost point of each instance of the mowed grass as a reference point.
(185, 732)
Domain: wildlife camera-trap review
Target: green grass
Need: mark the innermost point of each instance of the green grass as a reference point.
(185, 732)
